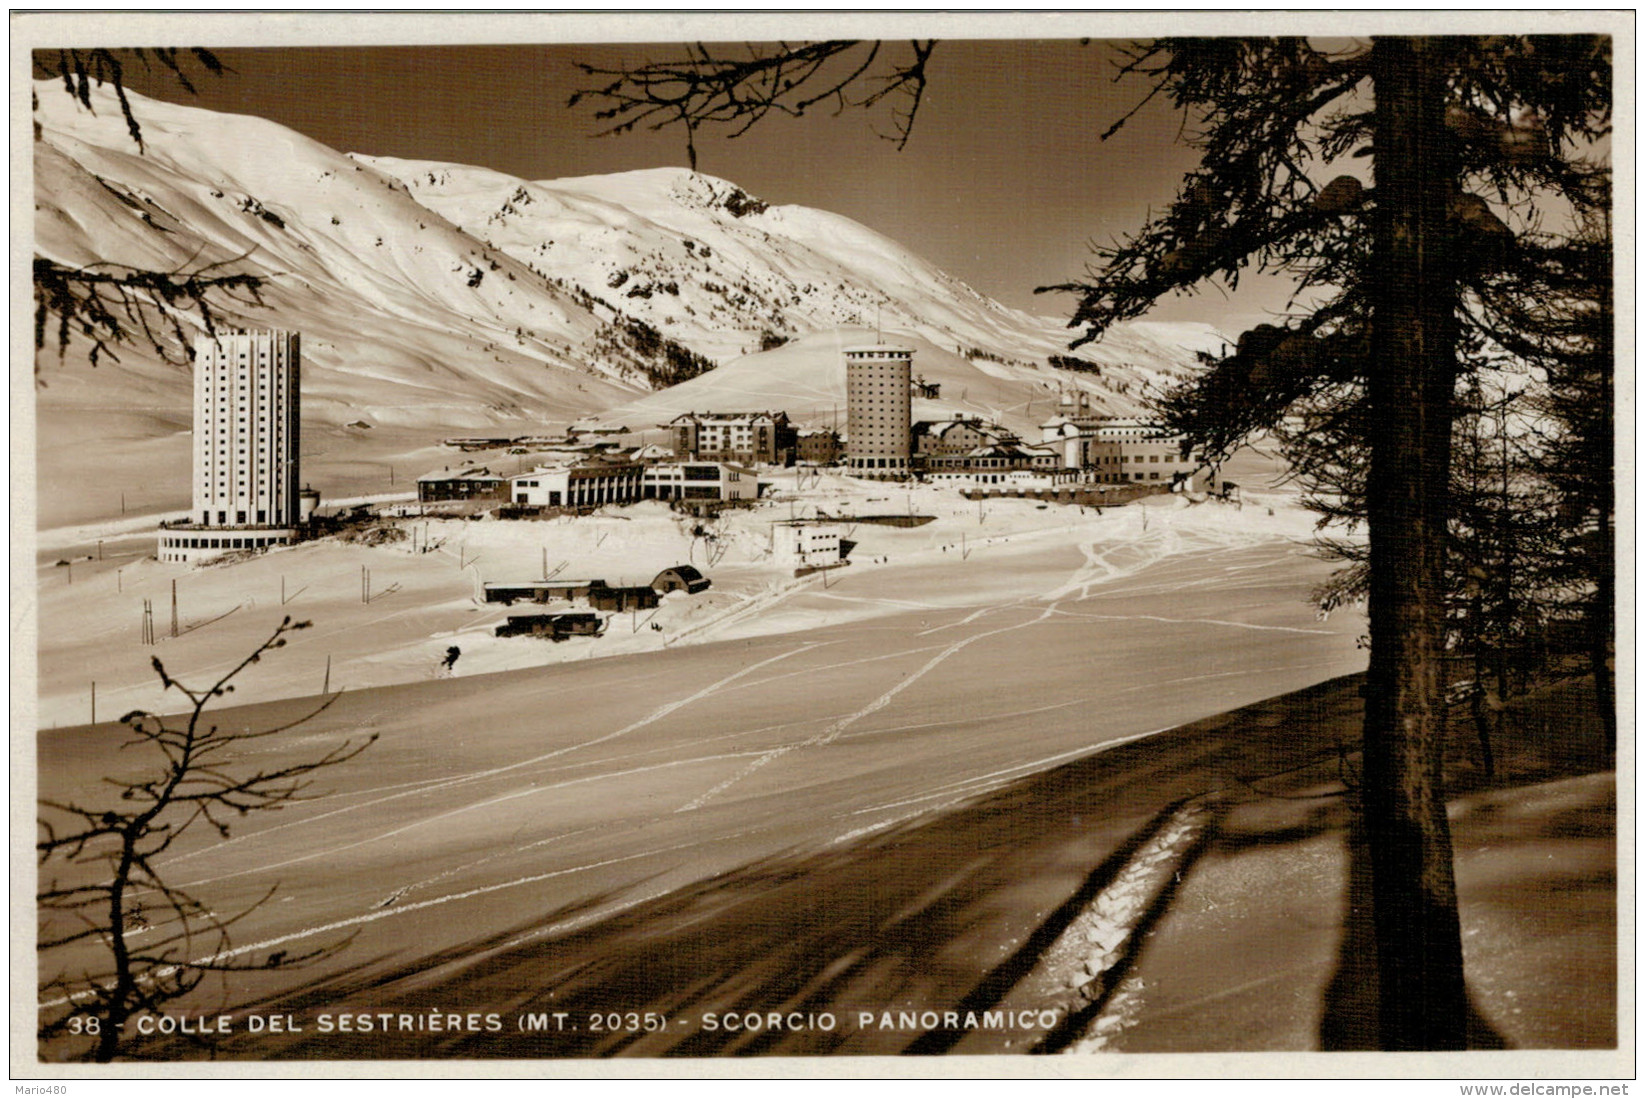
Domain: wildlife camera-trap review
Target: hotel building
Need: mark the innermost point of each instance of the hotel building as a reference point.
(245, 447)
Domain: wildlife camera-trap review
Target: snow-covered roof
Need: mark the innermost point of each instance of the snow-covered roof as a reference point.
(720, 417)
(476, 473)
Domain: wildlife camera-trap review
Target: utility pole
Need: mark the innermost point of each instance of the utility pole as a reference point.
(94, 702)
(174, 608)
(325, 686)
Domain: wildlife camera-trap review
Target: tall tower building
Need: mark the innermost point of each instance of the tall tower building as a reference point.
(246, 439)
(878, 411)
(246, 429)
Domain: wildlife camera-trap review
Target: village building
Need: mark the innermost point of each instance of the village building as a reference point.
(590, 481)
(959, 435)
(1011, 480)
(817, 446)
(537, 591)
(805, 543)
(649, 453)
(751, 438)
(1073, 431)
(1120, 450)
(479, 442)
(555, 627)
(992, 464)
(474, 483)
(721, 481)
(595, 593)
(684, 578)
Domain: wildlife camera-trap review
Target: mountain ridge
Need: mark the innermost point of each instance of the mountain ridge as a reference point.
(439, 298)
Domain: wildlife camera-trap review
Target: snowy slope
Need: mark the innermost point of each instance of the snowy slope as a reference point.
(718, 269)
(405, 318)
(806, 379)
(439, 299)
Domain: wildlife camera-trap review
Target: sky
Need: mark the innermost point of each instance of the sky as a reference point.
(1004, 182)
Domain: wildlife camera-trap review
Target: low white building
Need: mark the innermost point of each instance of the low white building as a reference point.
(193, 545)
(699, 481)
(805, 544)
(591, 482)
(1025, 479)
(1119, 450)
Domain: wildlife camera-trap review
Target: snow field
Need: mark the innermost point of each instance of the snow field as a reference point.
(521, 806)
(425, 589)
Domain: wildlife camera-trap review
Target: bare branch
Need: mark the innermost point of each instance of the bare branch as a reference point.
(110, 898)
(707, 89)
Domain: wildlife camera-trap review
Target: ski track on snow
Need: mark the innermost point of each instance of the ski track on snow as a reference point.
(1099, 568)
(491, 772)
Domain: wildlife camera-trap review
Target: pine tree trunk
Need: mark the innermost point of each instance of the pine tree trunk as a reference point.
(1601, 623)
(1423, 999)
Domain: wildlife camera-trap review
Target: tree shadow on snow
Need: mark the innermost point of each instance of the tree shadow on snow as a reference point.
(946, 912)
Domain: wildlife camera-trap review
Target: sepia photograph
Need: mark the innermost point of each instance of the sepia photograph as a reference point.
(997, 545)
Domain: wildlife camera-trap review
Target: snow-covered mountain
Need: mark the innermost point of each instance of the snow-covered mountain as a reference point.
(438, 298)
(405, 318)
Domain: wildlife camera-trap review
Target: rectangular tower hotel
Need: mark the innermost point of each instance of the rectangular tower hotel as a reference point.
(246, 439)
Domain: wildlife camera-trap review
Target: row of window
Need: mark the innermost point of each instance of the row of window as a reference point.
(224, 542)
(239, 517)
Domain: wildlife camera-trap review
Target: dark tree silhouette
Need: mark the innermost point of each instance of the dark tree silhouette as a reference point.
(709, 88)
(1463, 137)
(113, 305)
(1453, 123)
(121, 939)
(110, 304)
(1555, 311)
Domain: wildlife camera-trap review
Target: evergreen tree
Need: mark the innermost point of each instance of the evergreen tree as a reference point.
(1469, 139)
(1475, 146)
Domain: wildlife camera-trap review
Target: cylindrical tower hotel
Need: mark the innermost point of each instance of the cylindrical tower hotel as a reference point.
(878, 410)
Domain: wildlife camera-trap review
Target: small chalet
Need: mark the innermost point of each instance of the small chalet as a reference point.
(684, 578)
